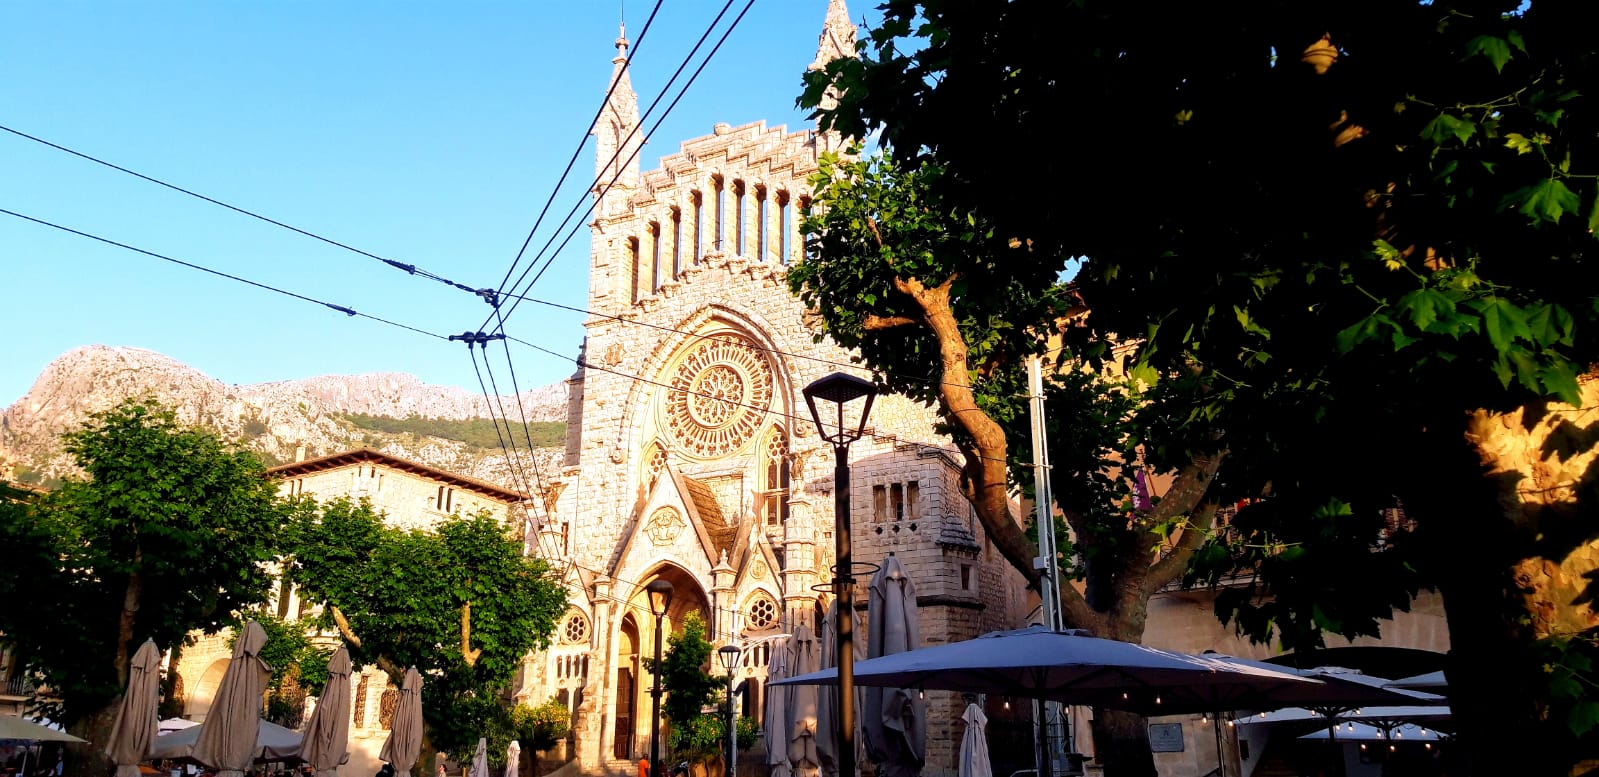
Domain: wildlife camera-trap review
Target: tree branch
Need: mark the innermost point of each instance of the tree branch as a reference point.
(386, 664)
(1172, 565)
(879, 323)
(468, 653)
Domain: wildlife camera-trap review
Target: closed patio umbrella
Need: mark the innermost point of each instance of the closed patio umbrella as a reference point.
(513, 759)
(775, 721)
(405, 734)
(135, 728)
(974, 744)
(480, 759)
(827, 708)
(227, 738)
(894, 720)
(802, 705)
(327, 735)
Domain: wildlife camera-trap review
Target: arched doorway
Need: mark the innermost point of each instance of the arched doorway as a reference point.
(636, 642)
(199, 702)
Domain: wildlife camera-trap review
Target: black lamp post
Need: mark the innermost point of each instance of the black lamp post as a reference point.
(729, 655)
(660, 593)
(840, 391)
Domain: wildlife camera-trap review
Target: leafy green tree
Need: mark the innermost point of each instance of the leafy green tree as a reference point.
(689, 688)
(167, 533)
(1350, 247)
(460, 602)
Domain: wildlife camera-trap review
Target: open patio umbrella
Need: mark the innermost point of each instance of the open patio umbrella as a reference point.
(894, 720)
(513, 759)
(134, 731)
(273, 743)
(480, 759)
(974, 744)
(802, 700)
(1433, 682)
(170, 725)
(227, 739)
(1366, 732)
(827, 708)
(1340, 689)
(775, 721)
(24, 730)
(405, 733)
(327, 735)
(1067, 666)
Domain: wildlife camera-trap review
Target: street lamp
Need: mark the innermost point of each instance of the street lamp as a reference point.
(729, 655)
(660, 593)
(842, 392)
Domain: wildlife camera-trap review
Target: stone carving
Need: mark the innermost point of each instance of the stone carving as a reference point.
(718, 396)
(664, 526)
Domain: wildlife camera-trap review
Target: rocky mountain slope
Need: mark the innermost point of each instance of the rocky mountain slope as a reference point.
(325, 414)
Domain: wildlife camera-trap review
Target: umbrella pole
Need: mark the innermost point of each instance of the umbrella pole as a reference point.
(1221, 763)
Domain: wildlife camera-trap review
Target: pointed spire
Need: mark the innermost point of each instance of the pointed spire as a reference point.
(838, 36)
(617, 141)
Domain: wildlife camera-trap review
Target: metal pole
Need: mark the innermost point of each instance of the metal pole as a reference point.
(1047, 713)
(732, 730)
(845, 581)
(655, 707)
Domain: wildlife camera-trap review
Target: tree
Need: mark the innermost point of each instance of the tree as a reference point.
(166, 534)
(695, 735)
(460, 602)
(1351, 241)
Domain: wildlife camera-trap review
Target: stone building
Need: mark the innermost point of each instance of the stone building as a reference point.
(691, 456)
(410, 496)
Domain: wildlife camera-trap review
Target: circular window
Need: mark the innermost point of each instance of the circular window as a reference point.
(576, 628)
(718, 396)
(763, 614)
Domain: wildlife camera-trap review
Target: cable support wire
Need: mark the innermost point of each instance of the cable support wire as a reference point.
(876, 435)
(592, 201)
(409, 269)
(715, 339)
(582, 141)
(346, 310)
(519, 478)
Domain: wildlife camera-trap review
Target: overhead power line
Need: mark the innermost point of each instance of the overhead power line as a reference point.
(581, 142)
(346, 310)
(634, 155)
(409, 269)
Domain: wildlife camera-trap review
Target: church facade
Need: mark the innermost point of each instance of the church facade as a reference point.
(691, 456)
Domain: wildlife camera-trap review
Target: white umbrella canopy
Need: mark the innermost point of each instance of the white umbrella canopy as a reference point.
(272, 743)
(1069, 667)
(404, 744)
(802, 699)
(327, 734)
(827, 708)
(170, 725)
(1340, 688)
(775, 721)
(23, 730)
(480, 759)
(134, 731)
(894, 720)
(513, 759)
(226, 740)
(974, 744)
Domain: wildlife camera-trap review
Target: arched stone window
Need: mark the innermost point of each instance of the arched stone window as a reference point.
(654, 464)
(761, 613)
(774, 476)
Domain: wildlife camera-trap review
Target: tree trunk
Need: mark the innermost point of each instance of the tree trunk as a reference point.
(1121, 742)
(89, 759)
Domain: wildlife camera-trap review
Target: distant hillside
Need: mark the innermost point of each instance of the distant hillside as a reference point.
(442, 426)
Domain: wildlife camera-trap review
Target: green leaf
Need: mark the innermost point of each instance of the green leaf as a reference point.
(1549, 324)
(1593, 216)
(1502, 321)
(1560, 380)
(1443, 127)
(1519, 142)
(1546, 200)
(1497, 50)
(1584, 716)
(1514, 36)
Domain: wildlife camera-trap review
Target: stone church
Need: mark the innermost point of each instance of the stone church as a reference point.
(691, 456)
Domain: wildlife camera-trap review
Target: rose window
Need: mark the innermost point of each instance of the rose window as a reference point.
(718, 396)
(576, 629)
(763, 614)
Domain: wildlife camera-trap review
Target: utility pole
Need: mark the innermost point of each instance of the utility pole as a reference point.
(1046, 737)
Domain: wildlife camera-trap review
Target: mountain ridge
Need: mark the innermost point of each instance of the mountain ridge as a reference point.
(273, 419)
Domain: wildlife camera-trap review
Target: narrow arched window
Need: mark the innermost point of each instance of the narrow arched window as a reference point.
(637, 271)
(677, 242)
(655, 257)
(699, 207)
(738, 218)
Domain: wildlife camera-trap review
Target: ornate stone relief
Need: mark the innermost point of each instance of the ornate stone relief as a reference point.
(664, 526)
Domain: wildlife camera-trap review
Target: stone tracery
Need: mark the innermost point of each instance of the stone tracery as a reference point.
(718, 396)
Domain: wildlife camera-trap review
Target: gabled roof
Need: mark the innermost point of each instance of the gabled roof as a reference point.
(370, 456)
(710, 513)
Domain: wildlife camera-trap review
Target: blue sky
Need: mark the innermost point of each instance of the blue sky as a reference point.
(429, 133)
